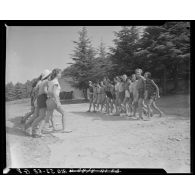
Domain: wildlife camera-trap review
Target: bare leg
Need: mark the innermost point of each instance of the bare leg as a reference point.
(52, 121)
(116, 105)
(119, 105)
(42, 113)
(140, 107)
(108, 106)
(156, 108)
(61, 111)
(125, 104)
(102, 104)
(149, 108)
(46, 120)
(94, 103)
(128, 107)
(98, 101)
(111, 105)
(24, 118)
(90, 104)
(30, 121)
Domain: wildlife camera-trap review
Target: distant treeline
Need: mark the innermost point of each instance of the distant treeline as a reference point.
(19, 90)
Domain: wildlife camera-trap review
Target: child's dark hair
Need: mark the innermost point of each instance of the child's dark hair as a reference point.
(149, 75)
(36, 81)
(34, 84)
(54, 73)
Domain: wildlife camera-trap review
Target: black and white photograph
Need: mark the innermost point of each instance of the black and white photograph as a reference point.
(110, 97)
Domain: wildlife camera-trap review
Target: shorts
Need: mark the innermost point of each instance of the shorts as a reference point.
(109, 94)
(141, 94)
(41, 101)
(122, 95)
(51, 104)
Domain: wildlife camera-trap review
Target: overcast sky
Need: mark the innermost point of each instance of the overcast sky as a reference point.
(30, 50)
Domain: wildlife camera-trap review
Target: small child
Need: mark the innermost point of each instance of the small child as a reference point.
(95, 96)
(141, 87)
(126, 102)
(32, 98)
(98, 95)
(152, 94)
(90, 95)
(134, 94)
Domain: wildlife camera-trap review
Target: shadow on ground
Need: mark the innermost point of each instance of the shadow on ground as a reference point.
(14, 127)
(101, 116)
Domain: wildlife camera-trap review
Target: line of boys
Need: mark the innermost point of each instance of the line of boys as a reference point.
(125, 95)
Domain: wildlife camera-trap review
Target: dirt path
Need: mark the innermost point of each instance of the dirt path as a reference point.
(101, 141)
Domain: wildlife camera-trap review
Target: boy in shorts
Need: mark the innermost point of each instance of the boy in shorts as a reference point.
(90, 95)
(141, 87)
(152, 94)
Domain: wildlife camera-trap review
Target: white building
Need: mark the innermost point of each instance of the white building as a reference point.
(65, 84)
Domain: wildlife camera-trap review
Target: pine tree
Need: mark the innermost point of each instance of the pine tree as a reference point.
(103, 65)
(163, 49)
(19, 90)
(10, 92)
(122, 54)
(83, 61)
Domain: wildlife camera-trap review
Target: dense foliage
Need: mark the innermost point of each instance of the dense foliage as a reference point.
(162, 50)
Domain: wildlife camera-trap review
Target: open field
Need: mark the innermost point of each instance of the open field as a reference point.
(101, 141)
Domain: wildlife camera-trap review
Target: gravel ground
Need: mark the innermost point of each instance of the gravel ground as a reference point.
(101, 141)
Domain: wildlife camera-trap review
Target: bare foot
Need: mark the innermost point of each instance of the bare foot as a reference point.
(66, 131)
(161, 114)
(38, 135)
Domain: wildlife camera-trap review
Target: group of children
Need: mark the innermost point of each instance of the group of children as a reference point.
(125, 95)
(44, 100)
